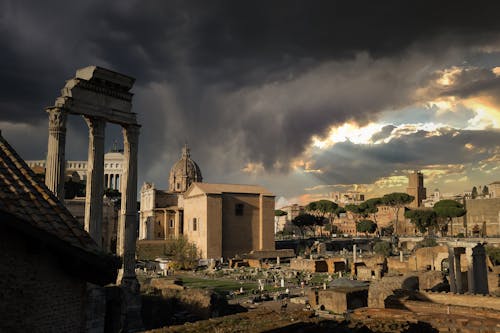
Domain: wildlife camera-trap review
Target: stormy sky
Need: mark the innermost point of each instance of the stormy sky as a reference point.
(303, 97)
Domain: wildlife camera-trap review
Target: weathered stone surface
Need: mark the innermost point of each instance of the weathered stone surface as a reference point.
(379, 291)
(310, 265)
(339, 300)
(336, 264)
(428, 258)
(432, 280)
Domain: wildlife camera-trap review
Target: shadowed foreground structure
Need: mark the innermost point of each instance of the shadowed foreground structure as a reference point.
(46, 257)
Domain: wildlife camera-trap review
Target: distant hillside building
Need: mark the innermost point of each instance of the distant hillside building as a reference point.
(416, 188)
(347, 198)
(223, 220)
(494, 189)
(285, 221)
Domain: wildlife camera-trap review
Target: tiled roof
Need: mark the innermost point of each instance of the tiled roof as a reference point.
(23, 196)
(231, 188)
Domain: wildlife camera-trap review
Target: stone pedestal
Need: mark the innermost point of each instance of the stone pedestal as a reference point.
(131, 320)
(56, 164)
(95, 179)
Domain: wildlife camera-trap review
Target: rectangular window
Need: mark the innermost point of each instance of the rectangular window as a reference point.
(195, 224)
(238, 210)
(171, 223)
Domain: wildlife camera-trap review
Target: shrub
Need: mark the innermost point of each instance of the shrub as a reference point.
(383, 248)
(494, 254)
(426, 242)
(184, 253)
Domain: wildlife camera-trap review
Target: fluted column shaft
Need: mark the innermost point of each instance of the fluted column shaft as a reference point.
(128, 214)
(95, 179)
(56, 164)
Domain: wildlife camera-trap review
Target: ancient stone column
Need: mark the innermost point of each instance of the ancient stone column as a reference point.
(479, 271)
(56, 164)
(451, 267)
(128, 213)
(127, 234)
(458, 272)
(95, 179)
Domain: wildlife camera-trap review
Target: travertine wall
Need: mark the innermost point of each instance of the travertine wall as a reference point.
(36, 294)
(196, 208)
(429, 256)
(479, 211)
(310, 265)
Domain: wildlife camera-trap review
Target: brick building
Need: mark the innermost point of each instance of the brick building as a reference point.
(46, 258)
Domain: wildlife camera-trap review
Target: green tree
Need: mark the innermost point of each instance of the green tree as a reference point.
(73, 189)
(366, 226)
(382, 247)
(474, 193)
(426, 242)
(279, 212)
(184, 253)
(423, 219)
(447, 210)
(370, 208)
(486, 191)
(396, 201)
(304, 221)
(324, 209)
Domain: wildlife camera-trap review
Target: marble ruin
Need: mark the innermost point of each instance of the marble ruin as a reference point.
(100, 96)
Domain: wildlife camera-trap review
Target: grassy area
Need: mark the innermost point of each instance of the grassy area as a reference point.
(218, 285)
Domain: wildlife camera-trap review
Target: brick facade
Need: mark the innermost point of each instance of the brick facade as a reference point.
(36, 293)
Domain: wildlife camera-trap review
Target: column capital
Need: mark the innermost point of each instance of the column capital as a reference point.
(96, 126)
(131, 133)
(57, 118)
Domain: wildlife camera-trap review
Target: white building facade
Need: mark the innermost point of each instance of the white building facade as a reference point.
(77, 170)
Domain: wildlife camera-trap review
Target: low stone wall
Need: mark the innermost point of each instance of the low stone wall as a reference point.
(336, 264)
(338, 300)
(310, 265)
(475, 301)
(394, 265)
(270, 254)
(427, 317)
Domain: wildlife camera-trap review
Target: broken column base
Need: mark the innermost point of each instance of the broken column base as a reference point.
(131, 320)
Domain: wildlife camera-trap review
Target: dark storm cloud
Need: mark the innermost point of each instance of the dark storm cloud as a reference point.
(347, 163)
(241, 81)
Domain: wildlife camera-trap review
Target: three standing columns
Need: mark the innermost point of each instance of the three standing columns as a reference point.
(54, 180)
(56, 163)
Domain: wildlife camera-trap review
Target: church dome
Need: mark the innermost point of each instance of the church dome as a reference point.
(184, 172)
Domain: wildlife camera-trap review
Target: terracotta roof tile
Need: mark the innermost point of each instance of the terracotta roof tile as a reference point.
(23, 196)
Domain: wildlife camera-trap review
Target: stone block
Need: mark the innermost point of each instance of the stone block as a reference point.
(379, 291)
(339, 300)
